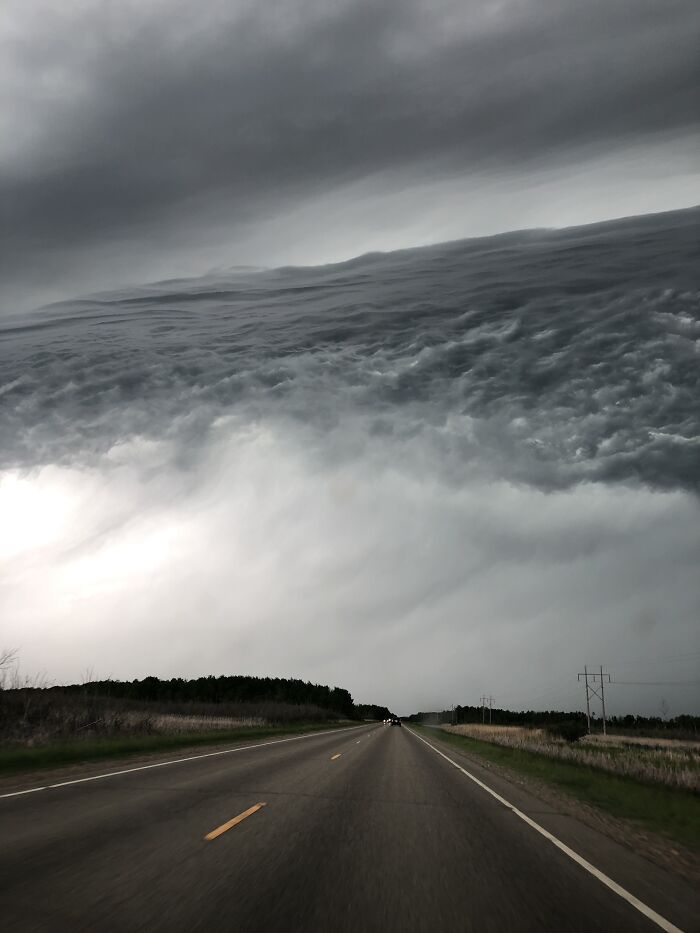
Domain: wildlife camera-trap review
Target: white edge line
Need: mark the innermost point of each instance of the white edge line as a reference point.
(603, 878)
(177, 761)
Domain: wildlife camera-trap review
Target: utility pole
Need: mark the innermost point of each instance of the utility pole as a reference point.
(483, 709)
(588, 701)
(594, 688)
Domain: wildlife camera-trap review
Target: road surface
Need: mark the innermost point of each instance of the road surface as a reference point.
(366, 829)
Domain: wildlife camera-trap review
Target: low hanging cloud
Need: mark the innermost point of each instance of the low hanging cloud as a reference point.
(420, 475)
(551, 358)
(369, 572)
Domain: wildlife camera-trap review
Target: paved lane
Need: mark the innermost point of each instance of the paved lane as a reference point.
(362, 830)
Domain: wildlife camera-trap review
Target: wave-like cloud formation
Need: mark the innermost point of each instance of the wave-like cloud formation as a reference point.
(460, 455)
(542, 358)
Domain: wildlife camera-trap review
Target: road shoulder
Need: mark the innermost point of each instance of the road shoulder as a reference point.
(654, 870)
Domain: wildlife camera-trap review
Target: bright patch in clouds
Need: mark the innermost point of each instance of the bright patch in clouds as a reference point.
(270, 559)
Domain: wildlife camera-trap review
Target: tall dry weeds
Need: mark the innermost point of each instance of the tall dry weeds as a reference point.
(676, 765)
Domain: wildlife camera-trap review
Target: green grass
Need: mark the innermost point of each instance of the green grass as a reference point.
(663, 810)
(15, 759)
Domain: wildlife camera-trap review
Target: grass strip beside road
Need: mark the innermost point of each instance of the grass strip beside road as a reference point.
(668, 812)
(17, 759)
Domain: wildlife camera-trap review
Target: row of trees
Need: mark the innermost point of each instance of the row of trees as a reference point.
(504, 717)
(372, 711)
(232, 689)
(507, 717)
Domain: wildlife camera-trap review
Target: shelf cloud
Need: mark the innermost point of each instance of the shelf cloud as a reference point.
(404, 473)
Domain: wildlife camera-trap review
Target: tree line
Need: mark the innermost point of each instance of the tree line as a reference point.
(237, 688)
(507, 717)
(372, 711)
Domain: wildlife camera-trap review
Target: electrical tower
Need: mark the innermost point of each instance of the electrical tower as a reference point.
(484, 700)
(595, 687)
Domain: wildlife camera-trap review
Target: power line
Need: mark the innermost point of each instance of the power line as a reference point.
(657, 683)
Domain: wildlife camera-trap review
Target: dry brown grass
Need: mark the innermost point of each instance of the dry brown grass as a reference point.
(641, 740)
(173, 723)
(668, 762)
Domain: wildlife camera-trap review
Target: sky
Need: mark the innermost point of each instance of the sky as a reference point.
(146, 139)
(175, 483)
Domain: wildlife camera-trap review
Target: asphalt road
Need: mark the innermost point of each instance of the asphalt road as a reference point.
(367, 829)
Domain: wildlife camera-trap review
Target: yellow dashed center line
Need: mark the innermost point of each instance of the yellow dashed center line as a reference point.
(335, 756)
(234, 822)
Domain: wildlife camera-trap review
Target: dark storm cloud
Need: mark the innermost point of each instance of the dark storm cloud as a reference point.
(404, 473)
(157, 120)
(545, 358)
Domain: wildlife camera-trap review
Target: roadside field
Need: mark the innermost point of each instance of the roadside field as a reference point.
(670, 763)
(670, 810)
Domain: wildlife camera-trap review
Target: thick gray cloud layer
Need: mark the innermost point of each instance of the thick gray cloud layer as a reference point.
(420, 475)
(552, 358)
(144, 126)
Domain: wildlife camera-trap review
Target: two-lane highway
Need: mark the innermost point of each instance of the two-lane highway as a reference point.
(357, 830)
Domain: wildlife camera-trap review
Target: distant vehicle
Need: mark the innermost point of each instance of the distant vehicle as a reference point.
(395, 721)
